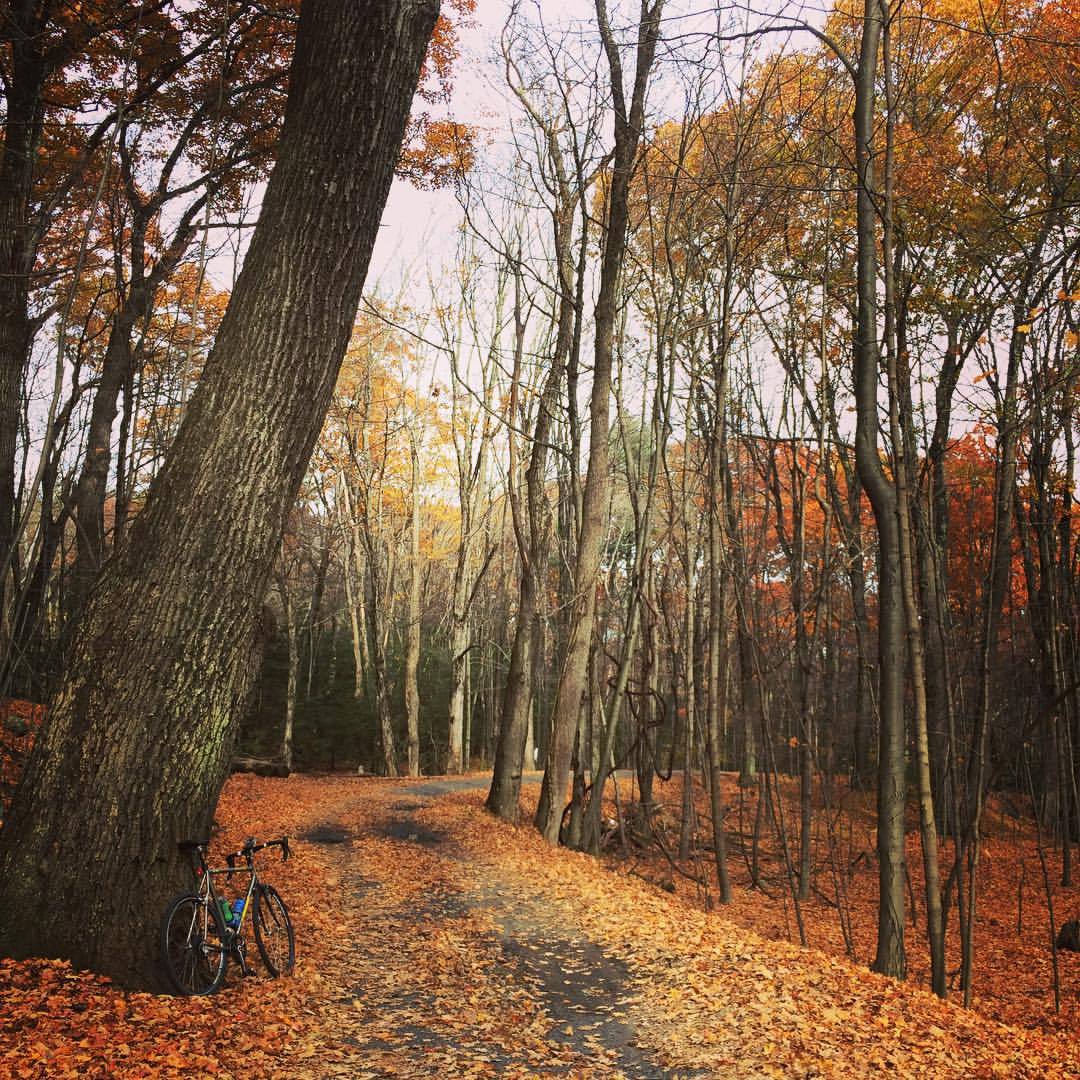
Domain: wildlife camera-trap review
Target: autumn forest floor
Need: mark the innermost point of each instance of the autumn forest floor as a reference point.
(435, 941)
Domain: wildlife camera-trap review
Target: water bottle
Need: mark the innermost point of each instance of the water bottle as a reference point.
(238, 909)
(226, 911)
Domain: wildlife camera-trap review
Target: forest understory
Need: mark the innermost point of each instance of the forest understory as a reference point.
(436, 941)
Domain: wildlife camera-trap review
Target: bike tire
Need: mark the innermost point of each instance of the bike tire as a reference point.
(273, 931)
(193, 950)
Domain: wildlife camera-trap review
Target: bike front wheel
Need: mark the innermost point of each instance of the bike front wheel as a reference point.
(273, 931)
(193, 950)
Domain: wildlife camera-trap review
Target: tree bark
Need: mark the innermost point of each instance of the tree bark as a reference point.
(138, 739)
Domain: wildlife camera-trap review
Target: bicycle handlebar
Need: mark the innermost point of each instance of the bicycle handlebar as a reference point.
(251, 846)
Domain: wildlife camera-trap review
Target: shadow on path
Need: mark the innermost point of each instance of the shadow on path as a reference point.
(583, 991)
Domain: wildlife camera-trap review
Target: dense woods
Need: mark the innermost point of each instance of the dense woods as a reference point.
(733, 436)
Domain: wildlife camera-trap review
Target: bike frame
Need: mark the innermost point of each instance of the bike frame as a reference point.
(215, 897)
(233, 941)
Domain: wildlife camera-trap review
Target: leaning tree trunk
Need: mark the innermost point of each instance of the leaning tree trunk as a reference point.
(137, 744)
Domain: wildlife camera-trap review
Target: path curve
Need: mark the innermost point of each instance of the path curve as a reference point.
(583, 995)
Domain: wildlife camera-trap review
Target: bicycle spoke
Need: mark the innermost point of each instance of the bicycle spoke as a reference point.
(191, 947)
(273, 932)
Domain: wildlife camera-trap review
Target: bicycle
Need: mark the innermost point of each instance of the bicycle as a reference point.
(201, 929)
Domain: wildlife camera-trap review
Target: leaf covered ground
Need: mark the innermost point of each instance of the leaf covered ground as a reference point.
(435, 941)
(1013, 976)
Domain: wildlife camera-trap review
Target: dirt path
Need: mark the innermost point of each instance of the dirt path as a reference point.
(448, 944)
(545, 978)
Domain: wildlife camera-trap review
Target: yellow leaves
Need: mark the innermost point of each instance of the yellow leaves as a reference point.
(1023, 328)
(1072, 338)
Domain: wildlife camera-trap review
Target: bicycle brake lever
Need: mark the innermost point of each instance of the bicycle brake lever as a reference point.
(285, 849)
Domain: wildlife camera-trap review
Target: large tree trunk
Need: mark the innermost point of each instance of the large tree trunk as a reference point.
(137, 744)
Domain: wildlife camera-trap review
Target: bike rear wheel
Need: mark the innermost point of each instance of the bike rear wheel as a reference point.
(273, 931)
(193, 951)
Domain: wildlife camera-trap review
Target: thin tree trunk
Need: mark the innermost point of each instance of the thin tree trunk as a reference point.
(412, 637)
(377, 650)
(890, 958)
(90, 492)
(354, 590)
(719, 639)
(895, 339)
(24, 111)
(532, 539)
(294, 671)
(582, 611)
(313, 620)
